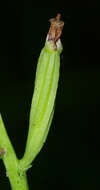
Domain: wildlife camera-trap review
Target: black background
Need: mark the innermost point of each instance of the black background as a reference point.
(70, 157)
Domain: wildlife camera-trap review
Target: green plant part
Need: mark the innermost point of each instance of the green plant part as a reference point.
(42, 109)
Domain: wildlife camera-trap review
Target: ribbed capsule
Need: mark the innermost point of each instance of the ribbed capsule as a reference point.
(42, 107)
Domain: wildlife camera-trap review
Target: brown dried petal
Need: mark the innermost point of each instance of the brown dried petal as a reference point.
(56, 28)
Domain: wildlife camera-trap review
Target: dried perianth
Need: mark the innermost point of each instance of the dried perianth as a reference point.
(56, 28)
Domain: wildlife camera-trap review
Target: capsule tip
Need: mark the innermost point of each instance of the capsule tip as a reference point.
(56, 28)
(55, 31)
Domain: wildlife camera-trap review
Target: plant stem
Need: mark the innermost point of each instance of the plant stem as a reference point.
(18, 180)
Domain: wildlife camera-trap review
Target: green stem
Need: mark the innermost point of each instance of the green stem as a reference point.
(18, 180)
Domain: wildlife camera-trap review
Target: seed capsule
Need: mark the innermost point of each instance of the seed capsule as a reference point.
(46, 83)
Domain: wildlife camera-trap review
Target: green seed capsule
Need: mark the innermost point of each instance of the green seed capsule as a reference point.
(42, 107)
